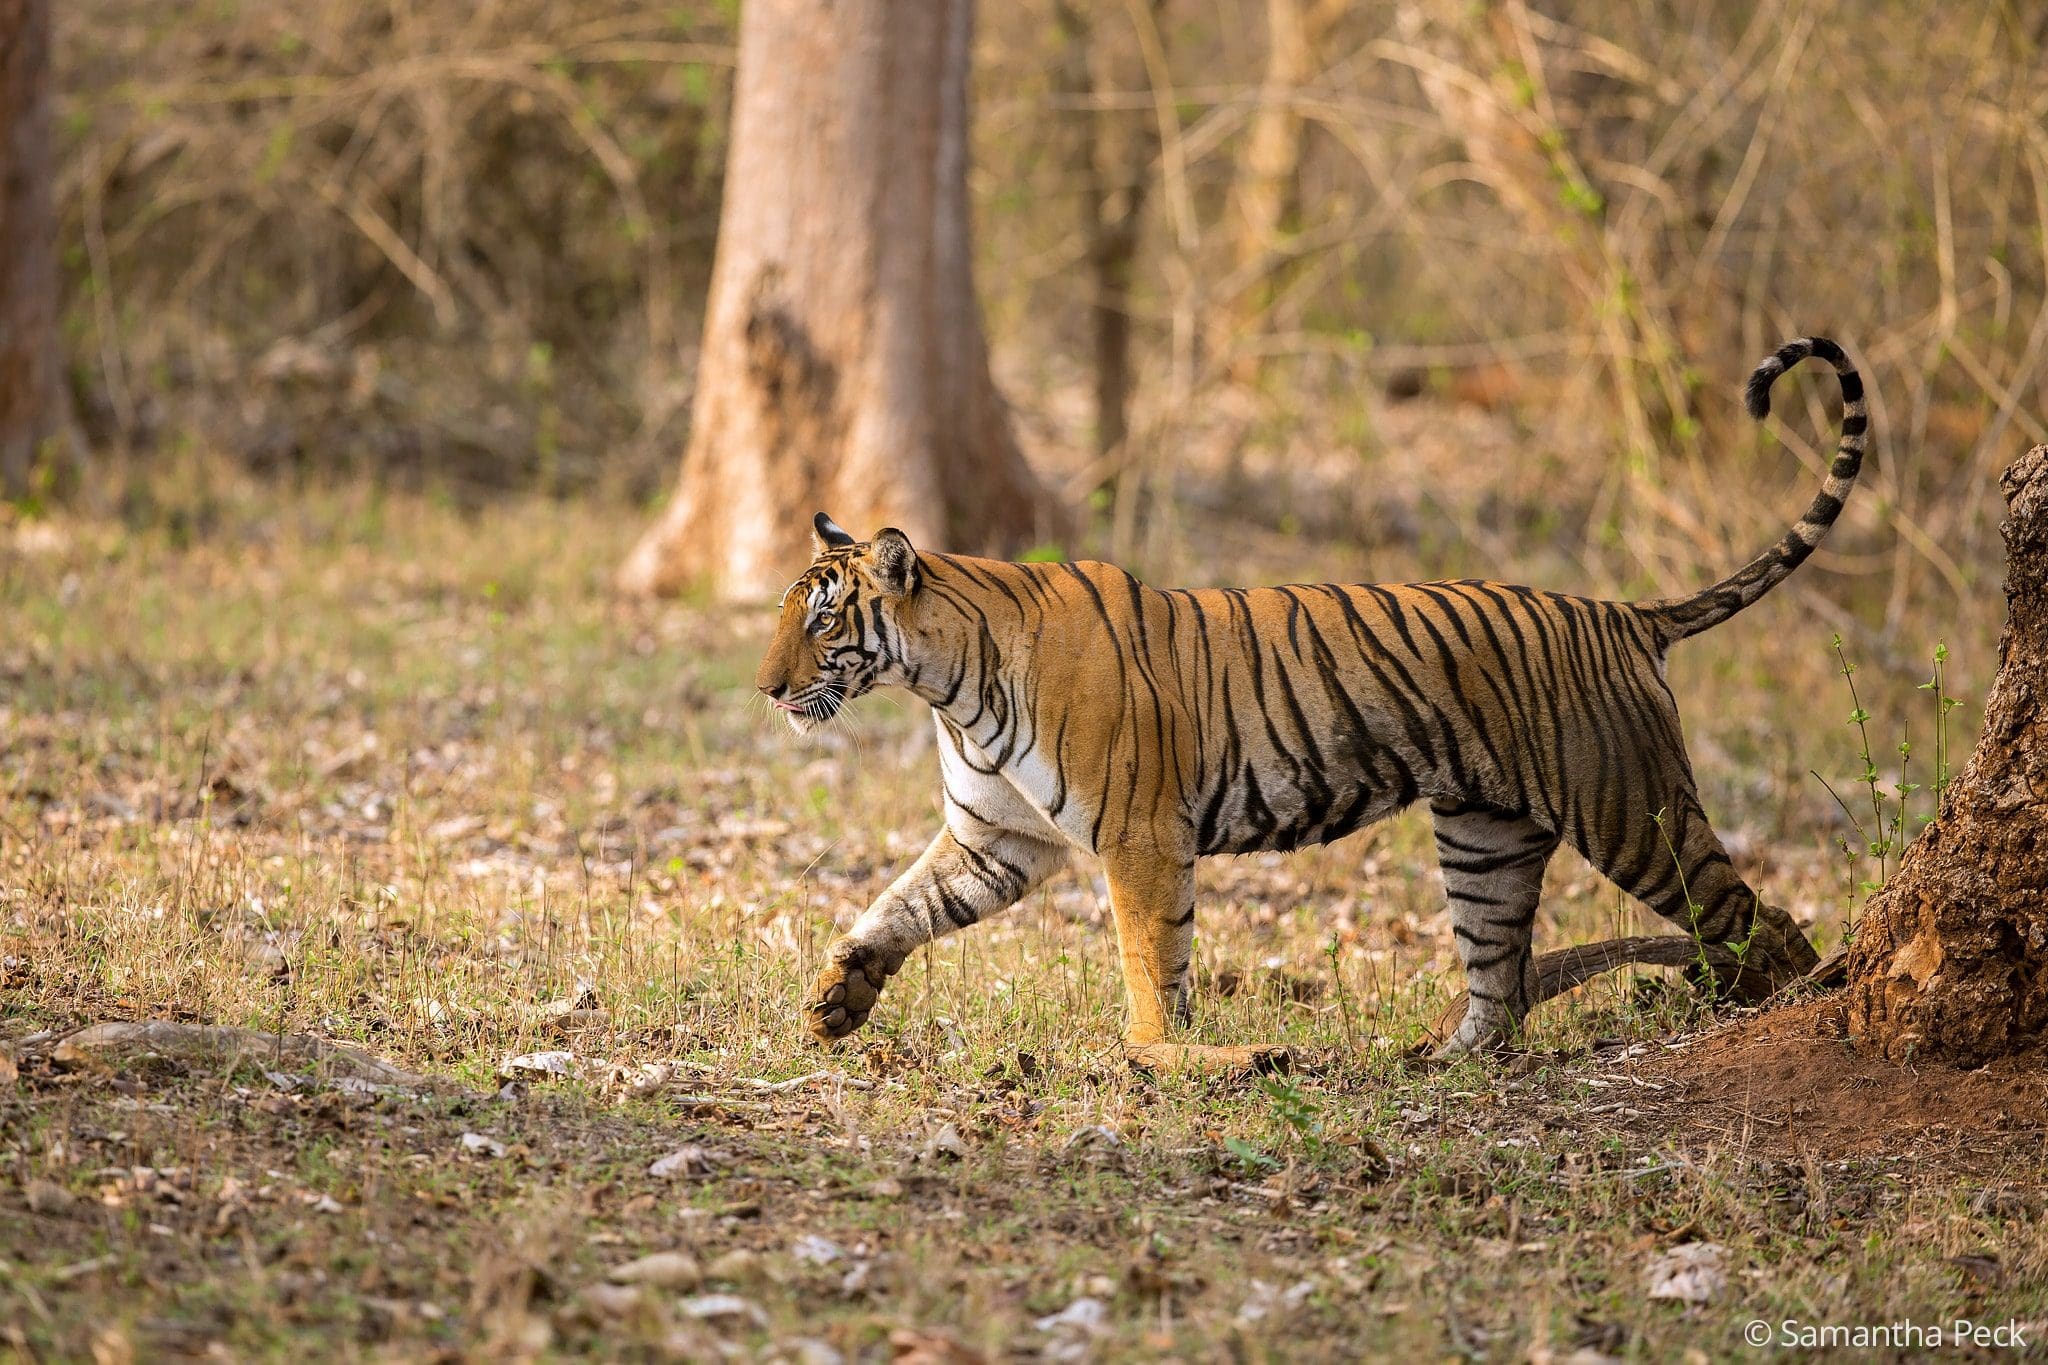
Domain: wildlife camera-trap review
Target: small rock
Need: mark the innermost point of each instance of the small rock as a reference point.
(610, 1300)
(736, 1267)
(918, 1346)
(946, 1142)
(1085, 1316)
(815, 1250)
(715, 1307)
(480, 1145)
(1073, 1329)
(1267, 1299)
(811, 1351)
(663, 1270)
(47, 1196)
(687, 1160)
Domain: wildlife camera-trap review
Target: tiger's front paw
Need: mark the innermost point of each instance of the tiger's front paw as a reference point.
(845, 991)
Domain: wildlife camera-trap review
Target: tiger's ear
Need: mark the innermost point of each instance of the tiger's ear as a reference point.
(827, 535)
(894, 562)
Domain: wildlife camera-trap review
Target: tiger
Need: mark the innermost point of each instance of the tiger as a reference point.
(1078, 708)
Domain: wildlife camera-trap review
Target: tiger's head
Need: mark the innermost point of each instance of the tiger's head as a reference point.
(838, 636)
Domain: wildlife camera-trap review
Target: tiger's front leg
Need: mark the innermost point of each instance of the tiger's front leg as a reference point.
(1152, 894)
(959, 879)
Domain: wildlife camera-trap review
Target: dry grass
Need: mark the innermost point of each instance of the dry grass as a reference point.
(363, 765)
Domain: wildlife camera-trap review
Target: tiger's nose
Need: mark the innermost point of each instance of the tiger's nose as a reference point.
(773, 691)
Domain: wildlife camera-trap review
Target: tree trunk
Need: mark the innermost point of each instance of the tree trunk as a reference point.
(1113, 151)
(1951, 958)
(844, 366)
(1268, 188)
(29, 390)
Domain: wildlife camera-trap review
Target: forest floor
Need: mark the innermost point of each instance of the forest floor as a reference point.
(371, 768)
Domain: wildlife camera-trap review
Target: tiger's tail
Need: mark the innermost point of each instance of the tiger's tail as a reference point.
(1678, 618)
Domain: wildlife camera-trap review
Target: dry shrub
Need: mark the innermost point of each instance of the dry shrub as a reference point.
(461, 239)
(1597, 216)
(471, 240)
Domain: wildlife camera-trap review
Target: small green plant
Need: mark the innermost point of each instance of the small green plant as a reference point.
(1878, 839)
(1334, 950)
(1886, 835)
(1943, 704)
(1250, 1158)
(1693, 910)
(1303, 1117)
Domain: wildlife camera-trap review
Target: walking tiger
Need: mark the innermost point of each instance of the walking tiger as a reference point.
(1078, 707)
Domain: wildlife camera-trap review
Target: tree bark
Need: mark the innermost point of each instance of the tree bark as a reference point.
(29, 357)
(1112, 158)
(1950, 960)
(844, 366)
(1267, 194)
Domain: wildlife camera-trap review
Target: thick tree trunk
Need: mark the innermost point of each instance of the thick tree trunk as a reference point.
(844, 366)
(29, 388)
(1951, 958)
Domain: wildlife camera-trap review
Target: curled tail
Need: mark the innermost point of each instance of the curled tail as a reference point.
(1676, 618)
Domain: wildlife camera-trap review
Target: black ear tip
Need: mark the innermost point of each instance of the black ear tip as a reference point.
(830, 531)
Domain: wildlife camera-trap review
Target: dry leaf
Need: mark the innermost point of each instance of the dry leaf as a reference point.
(815, 1250)
(1084, 1313)
(609, 1300)
(684, 1161)
(714, 1307)
(739, 1266)
(946, 1142)
(639, 1082)
(662, 1269)
(529, 1064)
(479, 1145)
(909, 1346)
(1693, 1273)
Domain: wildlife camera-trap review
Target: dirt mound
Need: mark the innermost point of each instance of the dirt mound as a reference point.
(1789, 1081)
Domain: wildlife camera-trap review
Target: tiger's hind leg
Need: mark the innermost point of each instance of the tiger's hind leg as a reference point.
(1672, 861)
(1152, 895)
(1493, 877)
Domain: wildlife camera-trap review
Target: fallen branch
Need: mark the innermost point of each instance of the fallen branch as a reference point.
(767, 1087)
(220, 1048)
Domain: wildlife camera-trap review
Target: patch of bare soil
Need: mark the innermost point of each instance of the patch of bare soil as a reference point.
(1788, 1081)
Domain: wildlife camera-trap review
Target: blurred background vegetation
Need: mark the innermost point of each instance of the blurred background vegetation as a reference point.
(1396, 272)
